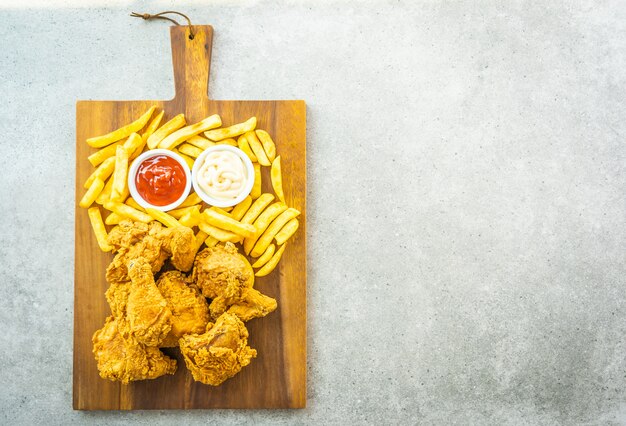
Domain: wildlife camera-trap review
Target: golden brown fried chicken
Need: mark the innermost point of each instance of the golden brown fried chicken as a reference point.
(252, 304)
(181, 245)
(218, 354)
(128, 233)
(125, 360)
(155, 244)
(146, 309)
(190, 310)
(222, 272)
(117, 296)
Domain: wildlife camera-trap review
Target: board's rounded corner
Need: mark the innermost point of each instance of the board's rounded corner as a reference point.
(81, 103)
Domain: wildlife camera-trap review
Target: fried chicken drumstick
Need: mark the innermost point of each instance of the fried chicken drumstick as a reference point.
(148, 314)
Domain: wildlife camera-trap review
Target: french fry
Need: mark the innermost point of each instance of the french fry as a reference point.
(288, 230)
(199, 239)
(103, 171)
(200, 142)
(122, 132)
(190, 150)
(178, 213)
(120, 175)
(176, 138)
(265, 257)
(228, 141)
(187, 158)
(169, 127)
(220, 211)
(231, 131)
(261, 224)
(105, 195)
(127, 211)
(257, 148)
(277, 179)
(191, 200)
(102, 154)
(137, 152)
(126, 192)
(227, 223)
(133, 142)
(271, 264)
(191, 218)
(130, 201)
(240, 209)
(256, 187)
(219, 234)
(113, 219)
(268, 144)
(266, 238)
(151, 128)
(98, 228)
(92, 193)
(257, 207)
(211, 241)
(163, 217)
(243, 145)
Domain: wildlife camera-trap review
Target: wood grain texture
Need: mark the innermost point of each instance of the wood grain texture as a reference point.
(277, 377)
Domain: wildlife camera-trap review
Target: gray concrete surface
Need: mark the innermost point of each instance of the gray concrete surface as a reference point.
(466, 199)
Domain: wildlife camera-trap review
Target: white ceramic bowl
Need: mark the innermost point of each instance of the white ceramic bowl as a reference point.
(133, 172)
(244, 192)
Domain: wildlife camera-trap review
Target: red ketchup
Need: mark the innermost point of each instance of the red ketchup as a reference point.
(160, 180)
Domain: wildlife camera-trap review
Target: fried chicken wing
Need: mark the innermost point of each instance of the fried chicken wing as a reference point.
(181, 246)
(221, 271)
(218, 354)
(152, 242)
(128, 233)
(125, 360)
(252, 304)
(190, 310)
(146, 309)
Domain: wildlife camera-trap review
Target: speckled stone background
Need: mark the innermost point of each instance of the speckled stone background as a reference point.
(467, 215)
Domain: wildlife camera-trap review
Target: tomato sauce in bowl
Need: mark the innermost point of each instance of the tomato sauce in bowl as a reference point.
(159, 179)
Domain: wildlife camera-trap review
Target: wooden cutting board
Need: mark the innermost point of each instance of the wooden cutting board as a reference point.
(277, 377)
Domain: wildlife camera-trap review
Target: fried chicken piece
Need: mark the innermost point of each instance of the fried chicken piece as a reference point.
(125, 360)
(221, 271)
(155, 244)
(252, 304)
(218, 354)
(117, 296)
(128, 233)
(146, 309)
(181, 245)
(190, 310)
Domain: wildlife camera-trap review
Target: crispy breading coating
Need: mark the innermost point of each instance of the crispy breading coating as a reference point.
(125, 360)
(218, 354)
(190, 310)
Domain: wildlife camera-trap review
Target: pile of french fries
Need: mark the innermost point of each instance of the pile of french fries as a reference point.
(262, 223)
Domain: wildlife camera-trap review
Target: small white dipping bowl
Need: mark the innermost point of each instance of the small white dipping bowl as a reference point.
(218, 202)
(133, 172)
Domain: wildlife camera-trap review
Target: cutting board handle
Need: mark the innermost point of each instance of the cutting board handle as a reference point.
(192, 60)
